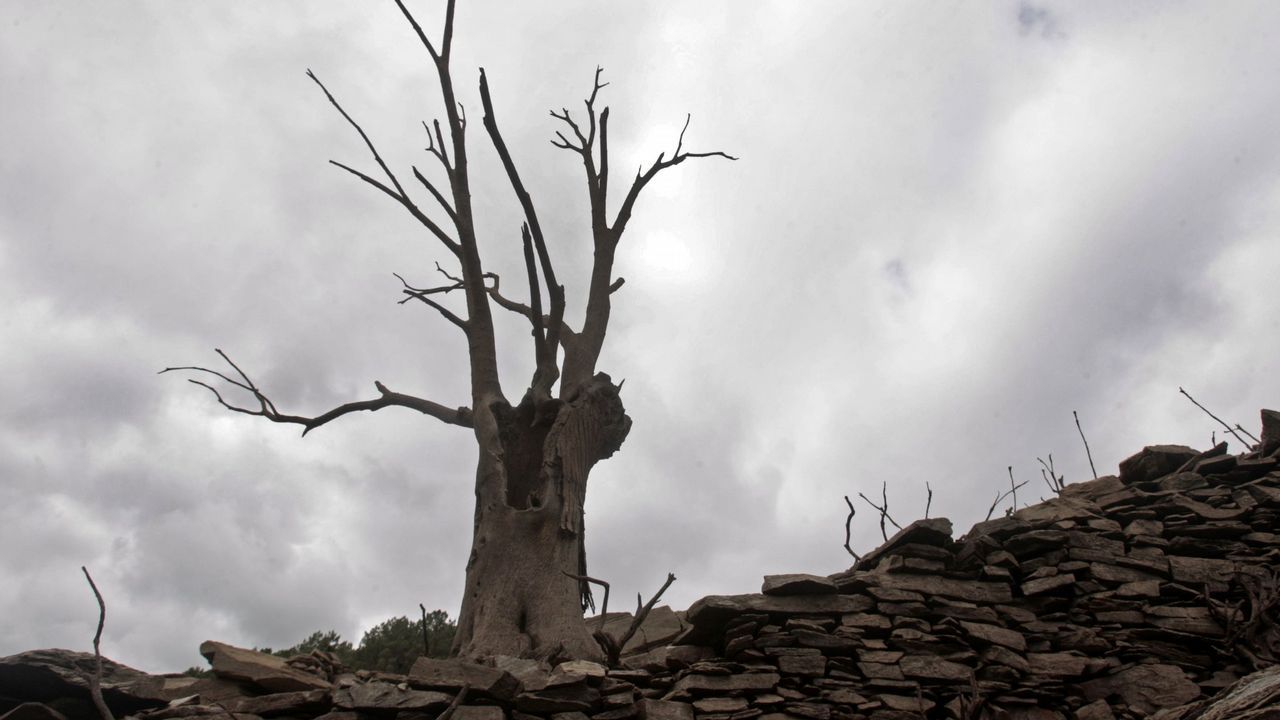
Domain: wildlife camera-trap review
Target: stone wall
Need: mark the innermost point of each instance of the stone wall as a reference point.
(1126, 595)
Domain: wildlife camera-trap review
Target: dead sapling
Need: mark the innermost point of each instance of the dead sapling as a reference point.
(1086, 445)
(1013, 490)
(95, 682)
(1054, 481)
(847, 520)
(928, 501)
(613, 646)
(883, 509)
(1220, 422)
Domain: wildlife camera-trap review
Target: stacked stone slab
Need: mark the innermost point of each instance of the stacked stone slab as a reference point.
(1125, 596)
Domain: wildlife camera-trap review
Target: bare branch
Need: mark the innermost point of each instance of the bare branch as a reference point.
(422, 35)
(883, 509)
(413, 293)
(1252, 437)
(643, 177)
(641, 614)
(431, 188)
(604, 606)
(547, 335)
(436, 146)
(1052, 479)
(1215, 417)
(460, 416)
(1086, 445)
(95, 682)
(1005, 494)
(1013, 489)
(466, 687)
(567, 334)
(417, 214)
(848, 519)
(535, 302)
(363, 136)
(929, 500)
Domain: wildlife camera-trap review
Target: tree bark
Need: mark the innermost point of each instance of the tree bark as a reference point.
(528, 538)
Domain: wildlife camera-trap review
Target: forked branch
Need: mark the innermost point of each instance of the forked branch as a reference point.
(266, 408)
(1215, 417)
(662, 163)
(883, 509)
(396, 191)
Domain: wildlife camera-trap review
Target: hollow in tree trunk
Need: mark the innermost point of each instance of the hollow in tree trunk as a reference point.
(531, 483)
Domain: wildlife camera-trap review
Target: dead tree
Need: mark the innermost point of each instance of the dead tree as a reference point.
(534, 456)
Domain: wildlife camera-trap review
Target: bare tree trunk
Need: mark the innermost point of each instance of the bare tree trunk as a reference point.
(531, 482)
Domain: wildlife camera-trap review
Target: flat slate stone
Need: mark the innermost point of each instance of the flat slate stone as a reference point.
(1154, 462)
(268, 672)
(928, 667)
(995, 635)
(454, 674)
(970, 590)
(798, 584)
(716, 610)
(713, 684)
(377, 695)
(297, 702)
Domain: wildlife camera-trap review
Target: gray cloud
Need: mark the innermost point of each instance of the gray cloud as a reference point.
(948, 230)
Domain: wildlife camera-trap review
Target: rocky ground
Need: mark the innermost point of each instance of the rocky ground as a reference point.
(1152, 593)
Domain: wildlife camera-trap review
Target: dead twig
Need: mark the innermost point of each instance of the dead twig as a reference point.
(95, 682)
(453, 705)
(847, 521)
(1215, 417)
(928, 502)
(1086, 445)
(604, 606)
(612, 646)
(882, 509)
(1005, 494)
(642, 612)
(1053, 480)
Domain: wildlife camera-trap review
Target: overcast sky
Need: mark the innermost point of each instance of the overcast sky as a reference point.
(951, 226)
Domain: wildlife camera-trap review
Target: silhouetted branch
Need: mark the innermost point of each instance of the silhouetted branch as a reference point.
(396, 192)
(95, 682)
(849, 519)
(414, 293)
(1215, 417)
(928, 500)
(1011, 491)
(604, 606)
(641, 614)
(1054, 481)
(1252, 437)
(567, 334)
(1086, 445)
(883, 509)
(644, 176)
(454, 416)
